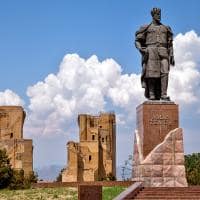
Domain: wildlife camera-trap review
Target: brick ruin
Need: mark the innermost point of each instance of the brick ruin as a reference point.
(94, 157)
(19, 150)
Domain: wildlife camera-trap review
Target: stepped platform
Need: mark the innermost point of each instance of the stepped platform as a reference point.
(137, 191)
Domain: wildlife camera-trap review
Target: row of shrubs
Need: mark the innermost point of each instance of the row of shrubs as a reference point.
(13, 179)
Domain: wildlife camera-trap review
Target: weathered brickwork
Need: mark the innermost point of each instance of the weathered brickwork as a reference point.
(94, 157)
(19, 150)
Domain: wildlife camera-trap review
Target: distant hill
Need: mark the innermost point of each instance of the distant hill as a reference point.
(48, 173)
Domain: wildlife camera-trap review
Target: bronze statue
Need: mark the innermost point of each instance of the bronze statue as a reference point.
(155, 43)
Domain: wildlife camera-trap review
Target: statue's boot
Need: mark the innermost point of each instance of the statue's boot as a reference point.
(151, 84)
(164, 85)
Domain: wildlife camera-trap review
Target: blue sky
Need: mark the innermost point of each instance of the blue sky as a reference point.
(36, 35)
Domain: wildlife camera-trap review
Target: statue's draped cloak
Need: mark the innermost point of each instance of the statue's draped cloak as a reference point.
(151, 65)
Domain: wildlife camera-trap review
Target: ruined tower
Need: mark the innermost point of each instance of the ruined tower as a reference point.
(19, 150)
(94, 157)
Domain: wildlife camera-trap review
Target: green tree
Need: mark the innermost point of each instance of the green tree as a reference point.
(59, 177)
(32, 178)
(28, 180)
(110, 177)
(17, 180)
(14, 179)
(20, 181)
(5, 169)
(192, 166)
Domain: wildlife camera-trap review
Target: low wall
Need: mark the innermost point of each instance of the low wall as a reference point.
(76, 184)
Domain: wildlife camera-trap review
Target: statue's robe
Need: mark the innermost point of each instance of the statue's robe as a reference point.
(157, 40)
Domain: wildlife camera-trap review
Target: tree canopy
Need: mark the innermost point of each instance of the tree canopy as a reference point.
(13, 179)
(6, 171)
(192, 167)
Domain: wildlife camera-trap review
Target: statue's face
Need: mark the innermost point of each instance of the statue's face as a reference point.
(157, 16)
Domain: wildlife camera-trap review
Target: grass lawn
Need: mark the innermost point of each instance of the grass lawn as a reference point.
(54, 193)
(110, 192)
(40, 194)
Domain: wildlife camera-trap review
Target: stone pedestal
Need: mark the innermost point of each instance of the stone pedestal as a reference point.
(158, 145)
(155, 119)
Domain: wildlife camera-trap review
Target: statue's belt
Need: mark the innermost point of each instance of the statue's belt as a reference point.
(157, 44)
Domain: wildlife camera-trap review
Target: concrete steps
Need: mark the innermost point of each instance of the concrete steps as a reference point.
(168, 193)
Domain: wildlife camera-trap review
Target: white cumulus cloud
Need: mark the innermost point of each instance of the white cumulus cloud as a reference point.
(9, 98)
(89, 86)
(185, 76)
(79, 86)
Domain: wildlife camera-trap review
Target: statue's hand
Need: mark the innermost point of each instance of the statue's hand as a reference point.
(144, 50)
(172, 61)
(145, 54)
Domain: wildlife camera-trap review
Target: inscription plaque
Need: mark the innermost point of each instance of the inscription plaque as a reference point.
(154, 122)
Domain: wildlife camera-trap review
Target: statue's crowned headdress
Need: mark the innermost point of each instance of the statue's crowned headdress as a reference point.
(155, 10)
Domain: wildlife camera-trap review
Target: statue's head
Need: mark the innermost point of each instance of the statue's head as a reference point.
(156, 14)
